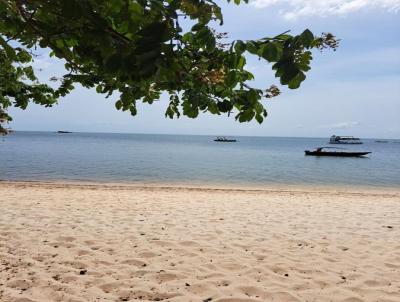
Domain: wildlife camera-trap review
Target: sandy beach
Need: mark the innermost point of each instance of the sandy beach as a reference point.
(69, 242)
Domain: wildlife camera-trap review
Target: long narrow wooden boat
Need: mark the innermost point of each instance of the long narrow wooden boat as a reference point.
(336, 153)
(320, 152)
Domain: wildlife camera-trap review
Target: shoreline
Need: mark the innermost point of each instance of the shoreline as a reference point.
(202, 187)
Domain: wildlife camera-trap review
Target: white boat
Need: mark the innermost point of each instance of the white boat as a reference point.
(223, 139)
(336, 139)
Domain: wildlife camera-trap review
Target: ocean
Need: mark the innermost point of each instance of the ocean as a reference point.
(189, 159)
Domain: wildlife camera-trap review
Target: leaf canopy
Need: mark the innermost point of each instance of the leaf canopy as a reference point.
(137, 49)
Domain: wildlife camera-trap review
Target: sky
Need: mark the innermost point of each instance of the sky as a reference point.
(353, 91)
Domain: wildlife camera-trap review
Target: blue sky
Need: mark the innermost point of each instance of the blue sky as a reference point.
(353, 91)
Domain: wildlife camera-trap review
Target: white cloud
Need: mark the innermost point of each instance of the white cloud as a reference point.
(292, 9)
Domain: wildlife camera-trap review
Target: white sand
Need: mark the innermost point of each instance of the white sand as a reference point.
(63, 242)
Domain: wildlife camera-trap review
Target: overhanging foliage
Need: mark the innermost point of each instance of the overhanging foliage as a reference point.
(138, 49)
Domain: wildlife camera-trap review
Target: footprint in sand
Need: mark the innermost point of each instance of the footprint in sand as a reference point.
(112, 286)
(75, 264)
(66, 238)
(19, 284)
(134, 262)
(24, 300)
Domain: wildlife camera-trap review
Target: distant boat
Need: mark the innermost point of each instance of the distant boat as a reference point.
(319, 152)
(351, 140)
(381, 141)
(223, 139)
(60, 131)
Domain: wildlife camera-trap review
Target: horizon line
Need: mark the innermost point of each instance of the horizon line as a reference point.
(180, 134)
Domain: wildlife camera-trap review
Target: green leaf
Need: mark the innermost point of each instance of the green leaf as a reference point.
(189, 110)
(246, 116)
(252, 47)
(270, 52)
(287, 72)
(198, 27)
(240, 47)
(225, 106)
(296, 81)
(133, 110)
(210, 43)
(306, 38)
(8, 49)
(135, 9)
(231, 79)
(213, 107)
(259, 118)
(241, 62)
(118, 105)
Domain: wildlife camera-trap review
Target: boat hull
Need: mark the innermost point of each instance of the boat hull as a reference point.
(338, 154)
(225, 141)
(346, 143)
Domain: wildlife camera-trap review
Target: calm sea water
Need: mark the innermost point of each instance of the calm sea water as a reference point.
(137, 158)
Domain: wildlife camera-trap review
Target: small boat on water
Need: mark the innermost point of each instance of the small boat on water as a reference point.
(320, 152)
(61, 131)
(381, 141)
(350, 140)
(223, 139)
